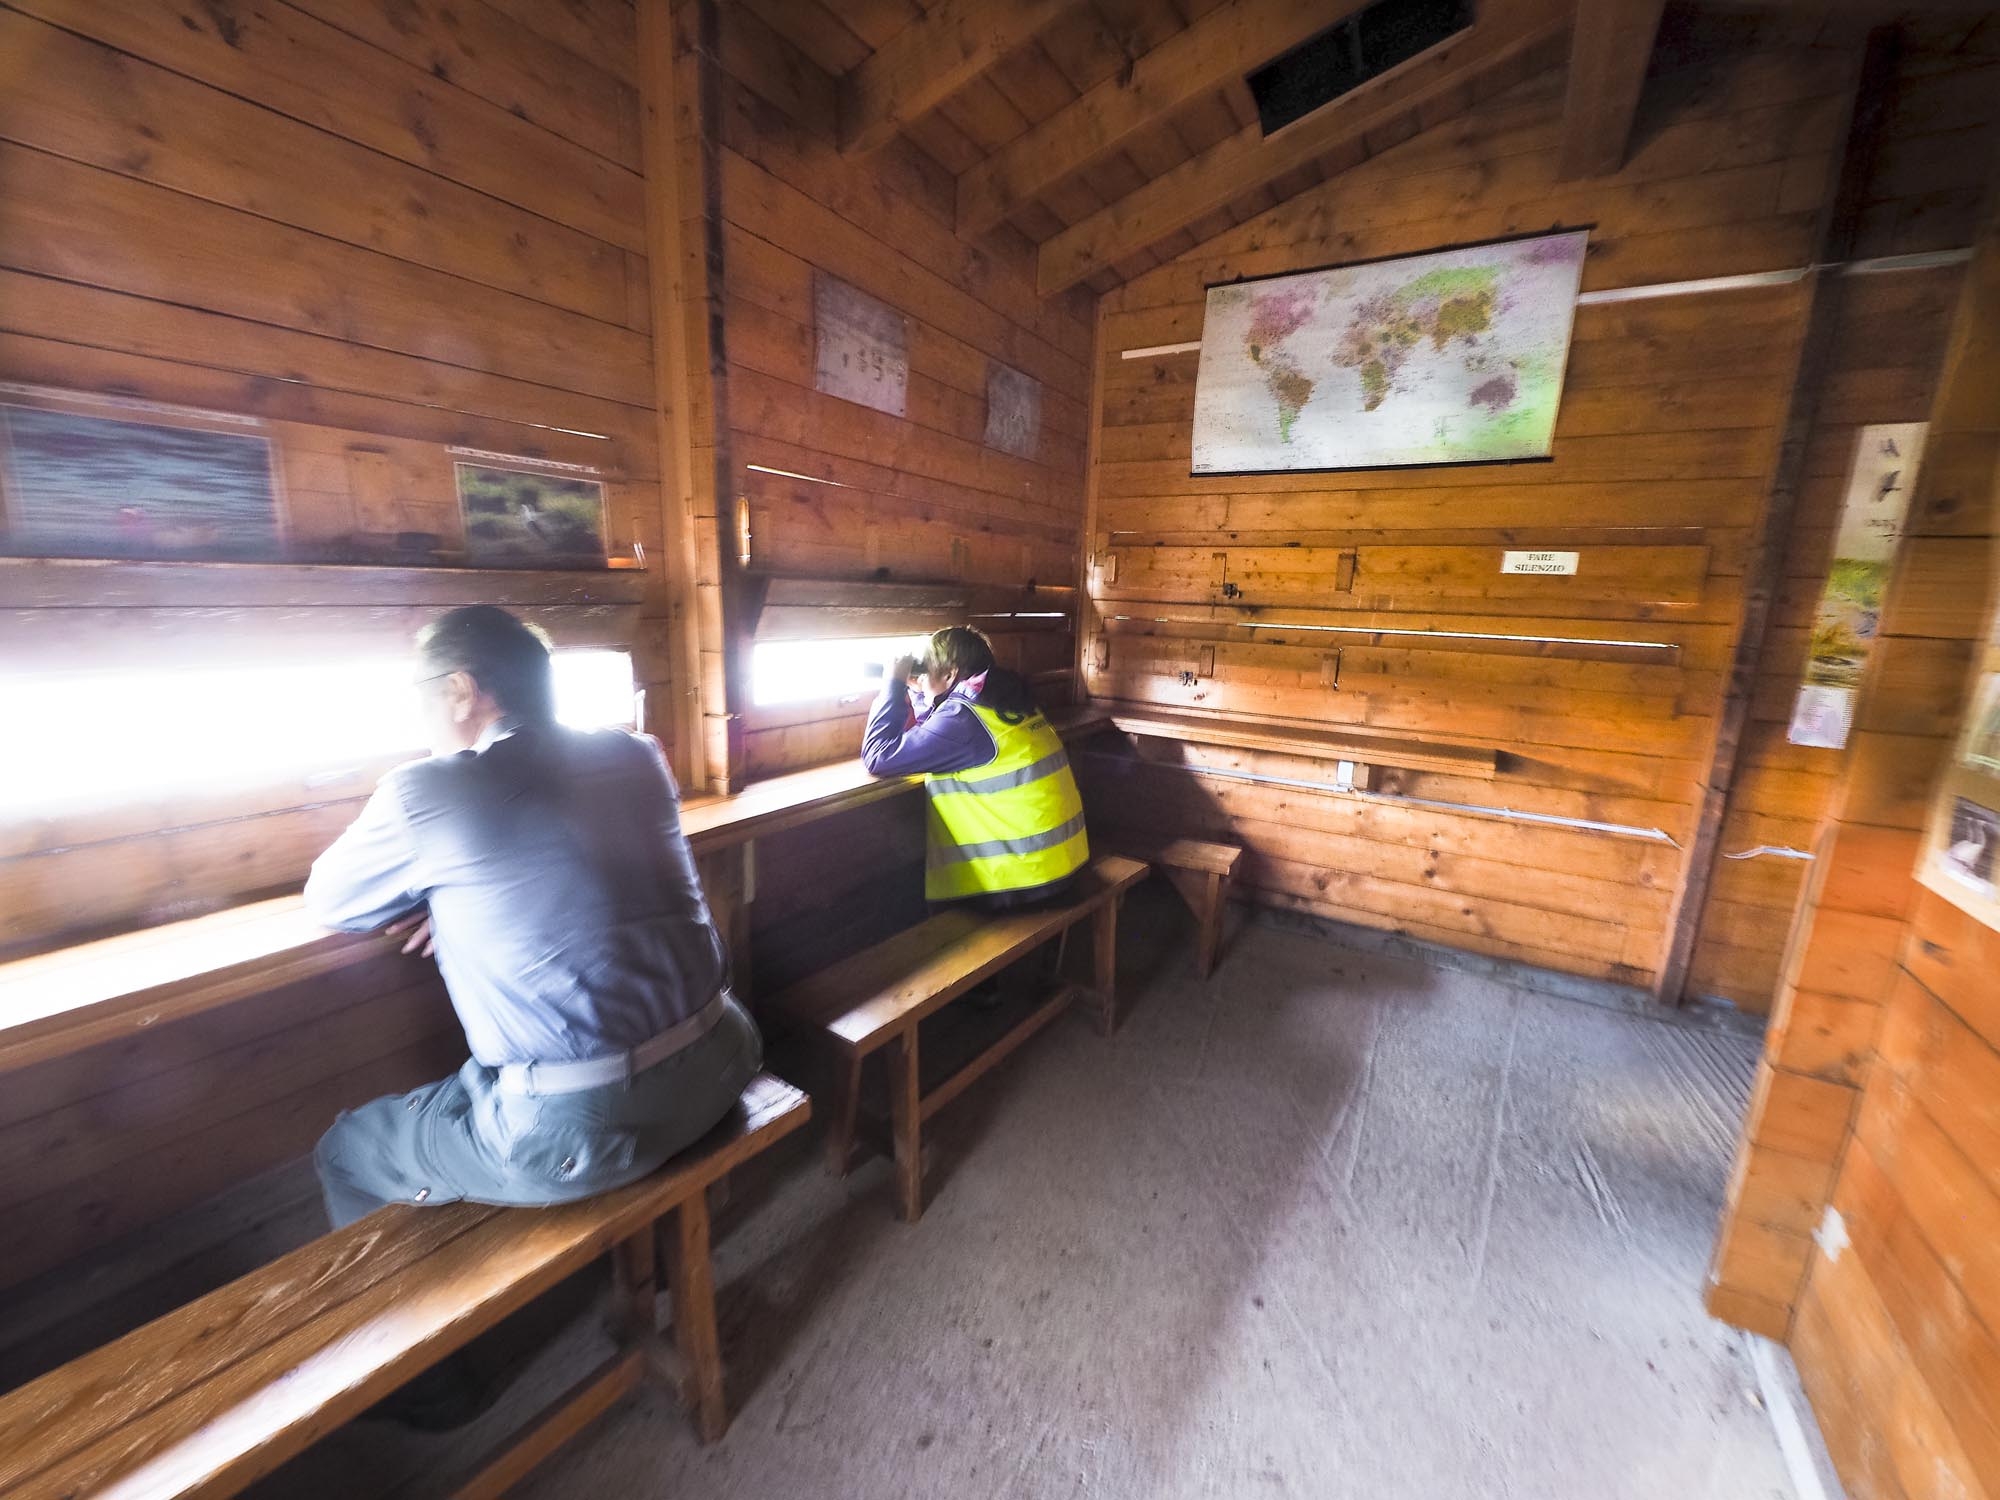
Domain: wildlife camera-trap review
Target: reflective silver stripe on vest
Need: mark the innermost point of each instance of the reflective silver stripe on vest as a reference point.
(1048, 765)
(1035, 843)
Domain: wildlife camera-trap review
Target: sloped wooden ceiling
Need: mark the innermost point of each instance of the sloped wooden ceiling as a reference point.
(1115, 134)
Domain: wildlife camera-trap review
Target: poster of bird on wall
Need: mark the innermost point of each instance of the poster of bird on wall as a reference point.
(531, 518)
(1961, 859)
(1879, 483)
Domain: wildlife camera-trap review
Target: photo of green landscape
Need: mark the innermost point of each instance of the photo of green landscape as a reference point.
(525, 518)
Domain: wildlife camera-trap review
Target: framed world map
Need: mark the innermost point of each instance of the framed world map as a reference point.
(1453, 357)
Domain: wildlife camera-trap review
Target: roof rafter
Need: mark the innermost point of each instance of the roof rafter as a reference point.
(1506, 31)
(931, 59)
(1607, 68)
(1213, 52)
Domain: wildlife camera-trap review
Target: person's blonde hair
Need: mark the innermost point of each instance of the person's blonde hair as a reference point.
(961, 648)
(969, 653)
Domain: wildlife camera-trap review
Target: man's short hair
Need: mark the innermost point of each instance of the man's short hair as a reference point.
(965, 650)
(507, 657)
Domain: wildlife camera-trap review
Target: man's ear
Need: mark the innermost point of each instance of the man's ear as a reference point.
(461, 694)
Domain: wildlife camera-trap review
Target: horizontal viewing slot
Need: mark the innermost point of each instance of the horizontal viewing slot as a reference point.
(71, 582)
(802, 671)
(237, 725)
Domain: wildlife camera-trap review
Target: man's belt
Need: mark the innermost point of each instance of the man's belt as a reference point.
(596, 1072)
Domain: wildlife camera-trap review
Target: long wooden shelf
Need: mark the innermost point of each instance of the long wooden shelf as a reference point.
(792, 608)
(1300, 739)
(66, 582)
(764, 807)
(61, 1002)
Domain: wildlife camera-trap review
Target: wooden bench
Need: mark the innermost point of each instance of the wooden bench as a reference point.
(222, 1391)
(1199, 870)
(875, 1000)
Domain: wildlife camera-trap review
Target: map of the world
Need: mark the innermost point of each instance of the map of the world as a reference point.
(1449, 358)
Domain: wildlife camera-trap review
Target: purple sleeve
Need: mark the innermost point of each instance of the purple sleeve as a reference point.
(950, 738)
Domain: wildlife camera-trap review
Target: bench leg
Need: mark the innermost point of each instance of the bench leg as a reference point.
(906, 1117)
(634, 1287)
(1214, 902)
(581, 1405)
(840, 1128)
(1104, 927)
(691, 1277)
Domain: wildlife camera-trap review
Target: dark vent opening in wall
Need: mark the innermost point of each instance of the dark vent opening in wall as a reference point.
(1344, 57)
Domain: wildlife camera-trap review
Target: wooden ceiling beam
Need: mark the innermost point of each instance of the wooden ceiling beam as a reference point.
(1505, 31)
(1215, 51)
(1609, 49)
(931, 59)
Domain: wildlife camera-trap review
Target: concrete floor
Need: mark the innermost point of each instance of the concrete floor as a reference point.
(1328, 1225)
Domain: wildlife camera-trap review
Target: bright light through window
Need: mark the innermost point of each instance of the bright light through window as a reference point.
(100, 738)
(803, 671)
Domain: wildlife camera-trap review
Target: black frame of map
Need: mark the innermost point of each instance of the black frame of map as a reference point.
(1586, 229)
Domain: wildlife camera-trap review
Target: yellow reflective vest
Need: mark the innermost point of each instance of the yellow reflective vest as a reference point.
(1009, 825)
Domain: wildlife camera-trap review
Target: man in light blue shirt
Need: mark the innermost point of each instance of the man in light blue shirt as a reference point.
(546, 868)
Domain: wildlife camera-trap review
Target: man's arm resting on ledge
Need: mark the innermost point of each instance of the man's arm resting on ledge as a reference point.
(368, 877)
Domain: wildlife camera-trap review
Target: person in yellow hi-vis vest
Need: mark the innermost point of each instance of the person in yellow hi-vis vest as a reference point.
(1005, 818)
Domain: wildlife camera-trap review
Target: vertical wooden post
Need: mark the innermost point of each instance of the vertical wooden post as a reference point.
(1840, 213)
(1087, 625)
(681, 710)
(691, 1277)
(677, 55)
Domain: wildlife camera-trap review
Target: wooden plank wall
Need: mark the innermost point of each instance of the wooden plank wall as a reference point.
(917, 498)
(107, 1140)
(831, 888)
(1663, 450)
(386, 229)
(1878, 1088)
(110, 1139)
(1889, 339)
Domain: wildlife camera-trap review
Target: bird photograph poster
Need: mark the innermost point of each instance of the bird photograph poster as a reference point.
(1879, 483)
(76, 484)
(526, 518)
(1961, 860)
